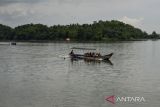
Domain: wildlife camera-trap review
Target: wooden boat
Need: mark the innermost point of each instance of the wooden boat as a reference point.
(100, 58)
(87, 61)
(94, 57)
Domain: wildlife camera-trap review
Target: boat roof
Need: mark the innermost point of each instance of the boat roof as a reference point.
(83, 48)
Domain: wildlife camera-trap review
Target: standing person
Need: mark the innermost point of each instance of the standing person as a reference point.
(71, 53)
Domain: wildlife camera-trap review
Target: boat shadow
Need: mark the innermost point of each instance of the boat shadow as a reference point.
(92, 61)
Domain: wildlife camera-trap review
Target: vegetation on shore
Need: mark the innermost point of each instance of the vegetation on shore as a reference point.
(98, 31)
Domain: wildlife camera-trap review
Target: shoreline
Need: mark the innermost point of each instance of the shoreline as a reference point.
(74, 41)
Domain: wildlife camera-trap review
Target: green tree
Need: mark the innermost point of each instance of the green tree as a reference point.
(98, 31)
(154, 35)
(6, 33)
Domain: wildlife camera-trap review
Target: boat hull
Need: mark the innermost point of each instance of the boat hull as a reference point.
(99, 58)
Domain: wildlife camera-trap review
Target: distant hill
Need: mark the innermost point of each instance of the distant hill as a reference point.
(98, 31)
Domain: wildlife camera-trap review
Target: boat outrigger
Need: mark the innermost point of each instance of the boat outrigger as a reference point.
(89, 55)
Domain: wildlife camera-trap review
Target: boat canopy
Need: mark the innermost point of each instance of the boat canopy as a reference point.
(83, 48)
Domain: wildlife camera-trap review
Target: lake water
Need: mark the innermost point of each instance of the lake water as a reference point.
(34, 75)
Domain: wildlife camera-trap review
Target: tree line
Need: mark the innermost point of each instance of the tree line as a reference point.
(97, 31)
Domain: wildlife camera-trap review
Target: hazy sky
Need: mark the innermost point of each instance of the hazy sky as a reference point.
(143, 14)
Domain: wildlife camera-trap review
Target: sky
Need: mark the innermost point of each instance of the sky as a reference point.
(143, 14)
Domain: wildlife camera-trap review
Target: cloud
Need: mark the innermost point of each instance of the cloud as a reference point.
(8, 2)
(51, 12)
(137, 22)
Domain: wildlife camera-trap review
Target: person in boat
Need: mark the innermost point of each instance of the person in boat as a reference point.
(93, 54)
(86, 54)
(71, 53)
(99, 54)
(96, 55)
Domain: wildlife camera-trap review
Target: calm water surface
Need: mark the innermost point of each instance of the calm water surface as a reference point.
(34, 75)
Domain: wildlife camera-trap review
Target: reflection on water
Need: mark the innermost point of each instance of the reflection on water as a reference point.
(33, 75)
(92, 61)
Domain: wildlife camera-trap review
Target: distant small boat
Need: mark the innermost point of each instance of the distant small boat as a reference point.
(13, 43)
(92, 56)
